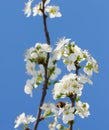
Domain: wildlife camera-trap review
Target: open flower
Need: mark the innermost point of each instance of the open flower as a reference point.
(23, 119)
(30, 66)
(53, 11)
(82, 109)
(84, 79)
(49, 108)
(67, 85)
(91, 65)
(30, 84)
(37, 9)
(52, 126)
(60, 47)
(53, 70)
(28, 10)
(47, 2)
(67, 113)
(70, 62)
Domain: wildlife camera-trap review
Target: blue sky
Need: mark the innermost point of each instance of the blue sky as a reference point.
(84, 21)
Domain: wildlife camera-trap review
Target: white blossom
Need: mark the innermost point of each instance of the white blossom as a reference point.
(28, 53)
(52, 126)
(42, 47)
(37, 54)
(94, 64)
(67, 113)
(25, 120)
(67, 85)
(70, 86)
(91, 65)
(56, 72)
(28, 10)
(53, 70)
(30, 66)
(84, 79)
(60, 47)
(70, 62)
(30, 84)
(78, 52)
(47, 2)
(37, 9)
(82, 109)
(48, 106)
(53, 11)
(61, 43)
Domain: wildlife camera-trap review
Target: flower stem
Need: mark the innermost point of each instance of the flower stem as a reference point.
(45, 85)
(73, 98)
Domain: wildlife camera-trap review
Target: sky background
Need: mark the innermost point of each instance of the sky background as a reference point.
(84, 21)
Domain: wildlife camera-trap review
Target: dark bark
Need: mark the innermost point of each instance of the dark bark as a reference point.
(45, 86)
(73, 97)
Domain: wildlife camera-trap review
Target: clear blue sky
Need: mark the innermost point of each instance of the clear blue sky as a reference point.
(84, 21)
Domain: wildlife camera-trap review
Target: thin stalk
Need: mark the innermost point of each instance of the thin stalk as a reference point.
(45, 85)
(73, 98)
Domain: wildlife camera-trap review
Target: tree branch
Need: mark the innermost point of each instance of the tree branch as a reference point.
(73, 98)
(45, 86)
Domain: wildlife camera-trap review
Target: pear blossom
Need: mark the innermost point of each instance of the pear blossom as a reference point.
(53, 70)
(30, 84)
(37, 9)
(28, 10)
(53, 11)
(69, 61)
(67, 113)
(38, 54)
(30, 66)
(43, 69)
(47, 2)
(78, 52)
(28, 53)
(36, 80)
(61, 43)
(89, 68)
(94, 64)
(58, 51)
(84, 79)
(49, 108)
(52, 126)
(67, 85)
(40, 74)
(82, 109)
(23, 119)
(91, 65)
(43, 47)
(56, 72)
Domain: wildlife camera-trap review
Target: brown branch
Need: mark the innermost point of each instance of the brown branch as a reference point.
(45, 86)
(73, 97)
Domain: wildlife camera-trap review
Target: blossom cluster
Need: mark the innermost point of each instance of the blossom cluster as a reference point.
(71, 85)
(35, 59)
(24, 120)
(50, 11)
(73, 55)
(42, 60)
(64, 111)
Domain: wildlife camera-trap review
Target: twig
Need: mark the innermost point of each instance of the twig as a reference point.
(45, 86)
(73, 97)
